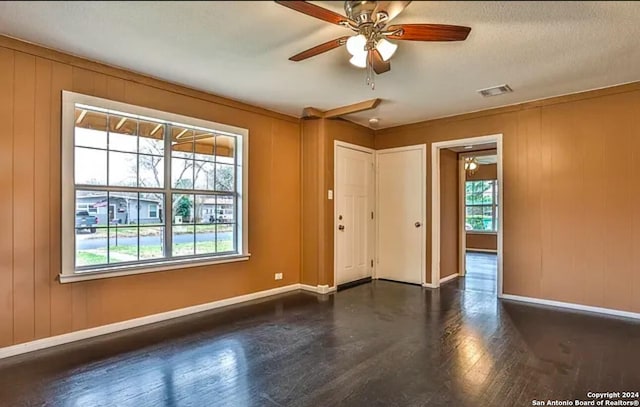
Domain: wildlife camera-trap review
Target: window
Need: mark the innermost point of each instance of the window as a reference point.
(481, 206)
(156, 190)
(153, 211)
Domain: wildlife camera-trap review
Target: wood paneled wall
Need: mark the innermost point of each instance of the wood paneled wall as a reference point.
(571, 224)
(485, 172)
(33, 304)
(482, 241)
(449, 213)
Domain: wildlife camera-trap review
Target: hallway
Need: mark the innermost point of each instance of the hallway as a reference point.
(481, 273)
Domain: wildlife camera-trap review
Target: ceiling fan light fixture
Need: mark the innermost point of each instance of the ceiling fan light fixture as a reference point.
(356, 44)
(359, 60)
(386, 49)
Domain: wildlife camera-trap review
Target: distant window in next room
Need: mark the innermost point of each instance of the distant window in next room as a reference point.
(481, 206)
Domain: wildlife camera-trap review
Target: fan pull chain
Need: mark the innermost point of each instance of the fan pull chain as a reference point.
(370, 76)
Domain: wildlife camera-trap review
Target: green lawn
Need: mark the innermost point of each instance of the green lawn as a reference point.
(86, 258)
(152, 230)
(130, 253)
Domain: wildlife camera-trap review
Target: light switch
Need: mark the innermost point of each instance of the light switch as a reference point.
(330, 194)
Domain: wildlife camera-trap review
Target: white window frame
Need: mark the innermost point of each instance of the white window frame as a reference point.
(68, 272)
(149, 210)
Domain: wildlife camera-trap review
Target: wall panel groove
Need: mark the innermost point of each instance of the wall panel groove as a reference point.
(33, 304)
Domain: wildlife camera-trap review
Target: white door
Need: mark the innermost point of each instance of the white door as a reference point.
(401, 244)
(354, 201)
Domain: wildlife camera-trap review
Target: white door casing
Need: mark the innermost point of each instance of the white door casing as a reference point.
(401, 200)
(354, 224)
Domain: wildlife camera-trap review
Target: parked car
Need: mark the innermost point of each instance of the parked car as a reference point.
(84, 221)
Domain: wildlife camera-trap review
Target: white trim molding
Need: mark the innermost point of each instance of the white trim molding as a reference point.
(570, 305)
(320, 289)
(70, 271)
(435, 201)
(449, 278)
(150, 319)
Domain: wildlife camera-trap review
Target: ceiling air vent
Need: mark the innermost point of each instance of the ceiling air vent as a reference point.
(495, 90)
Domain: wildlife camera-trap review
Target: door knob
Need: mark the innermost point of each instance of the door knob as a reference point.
(417, 224)
(340, 227)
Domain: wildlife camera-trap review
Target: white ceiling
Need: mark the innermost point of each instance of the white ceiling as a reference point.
(240, 50)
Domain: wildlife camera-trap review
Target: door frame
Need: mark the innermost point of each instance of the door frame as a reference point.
(423, 177)
(435, 204)
(462, 231)
(344, 144)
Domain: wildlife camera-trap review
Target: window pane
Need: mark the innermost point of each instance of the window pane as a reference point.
(151, 139)
(225, 149)
(151, 210)
(151, 242)
(123, 243)
(205, 175)
(123, 169)
(205, 209)
(123, 134)
(205, 239)
(225, 209)
(204, 146)
(475, 219)
(182, 173)
(183, 241)
(225, 177)
(151, 171)
(90, 129)
(90, 231)
(90, 166)
(181, 142)
(183, 209)
(479, 192)
(225, 238)
(91, 247)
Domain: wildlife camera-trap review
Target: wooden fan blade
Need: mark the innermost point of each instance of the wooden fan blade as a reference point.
(319, 49)
(314, 11)
(392, 8)
(379, 66)
(428, 32)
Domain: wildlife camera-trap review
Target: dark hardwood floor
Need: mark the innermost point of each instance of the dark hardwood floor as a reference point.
(377, 344)
(481, 272)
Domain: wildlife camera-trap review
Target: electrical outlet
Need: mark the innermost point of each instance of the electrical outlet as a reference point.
(278, 276)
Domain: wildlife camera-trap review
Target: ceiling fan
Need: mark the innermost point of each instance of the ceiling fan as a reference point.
(370, 47)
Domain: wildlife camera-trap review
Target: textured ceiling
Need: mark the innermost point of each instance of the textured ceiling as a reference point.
(240, 50)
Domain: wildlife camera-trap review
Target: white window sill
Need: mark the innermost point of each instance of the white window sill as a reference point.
(480, 232)
(149, 268)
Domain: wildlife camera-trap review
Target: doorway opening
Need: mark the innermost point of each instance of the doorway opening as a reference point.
(477, 197)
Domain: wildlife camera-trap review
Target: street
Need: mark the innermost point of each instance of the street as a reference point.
(86, 242)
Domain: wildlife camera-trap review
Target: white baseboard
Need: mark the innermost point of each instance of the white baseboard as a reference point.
(325, 289)
(569, 305)
(320, 289)
(429, 285)
(469, 249)
(448, 278)
(150, 319)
